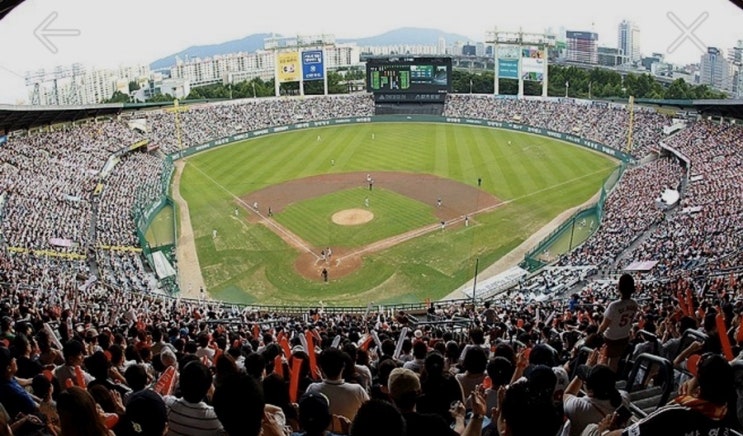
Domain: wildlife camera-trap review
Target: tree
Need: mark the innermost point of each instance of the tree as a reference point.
(195, 94)
(162, 98)
(679, 89)
(118, 97)
(133, 86)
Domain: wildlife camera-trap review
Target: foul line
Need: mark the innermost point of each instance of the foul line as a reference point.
(391, 241)
(398, 239)
(278, 228)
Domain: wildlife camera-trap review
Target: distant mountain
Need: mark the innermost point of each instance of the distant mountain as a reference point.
(251, 43)
(408, 36)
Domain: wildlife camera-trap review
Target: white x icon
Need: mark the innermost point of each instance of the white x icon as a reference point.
(687, 32)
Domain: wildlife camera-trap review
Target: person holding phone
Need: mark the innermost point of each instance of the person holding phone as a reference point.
(601, 399)
(616, 420)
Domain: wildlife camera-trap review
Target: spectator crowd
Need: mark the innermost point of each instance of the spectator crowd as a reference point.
(110, 357)
(134, 363)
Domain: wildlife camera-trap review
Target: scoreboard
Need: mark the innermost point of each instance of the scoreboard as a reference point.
(409, 79)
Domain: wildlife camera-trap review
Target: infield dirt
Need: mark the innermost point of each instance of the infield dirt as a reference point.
(457, 201)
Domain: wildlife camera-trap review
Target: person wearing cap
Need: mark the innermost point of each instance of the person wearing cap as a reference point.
(315, 417)
(700, 409)
(146, 415)
(345, 398)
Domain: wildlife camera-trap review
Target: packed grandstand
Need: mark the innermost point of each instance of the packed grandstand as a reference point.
(83, 296)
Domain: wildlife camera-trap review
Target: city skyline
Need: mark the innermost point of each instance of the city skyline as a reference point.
(139, 32)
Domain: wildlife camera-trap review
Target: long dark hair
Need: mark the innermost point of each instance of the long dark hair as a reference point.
(78, 415)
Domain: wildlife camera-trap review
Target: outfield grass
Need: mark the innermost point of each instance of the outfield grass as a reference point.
(537, 177)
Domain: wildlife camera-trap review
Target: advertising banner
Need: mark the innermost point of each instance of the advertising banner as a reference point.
(508, 61)
(508, 68)
(287, 67)
(508, 52)
(312, 65)
(532, 69)
(532, 64)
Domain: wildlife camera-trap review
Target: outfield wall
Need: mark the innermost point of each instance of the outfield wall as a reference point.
(576, 140)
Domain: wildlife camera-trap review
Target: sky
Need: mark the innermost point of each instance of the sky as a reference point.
(108, 33)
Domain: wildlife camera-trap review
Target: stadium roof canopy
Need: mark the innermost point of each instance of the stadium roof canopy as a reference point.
(725, 108)
(14, 118)
(26, 117)
(7, 6)
(728, 108)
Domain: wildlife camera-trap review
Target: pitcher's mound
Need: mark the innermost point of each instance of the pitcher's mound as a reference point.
(352, 217)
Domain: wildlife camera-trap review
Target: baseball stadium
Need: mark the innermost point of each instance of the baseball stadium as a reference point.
(405, 222)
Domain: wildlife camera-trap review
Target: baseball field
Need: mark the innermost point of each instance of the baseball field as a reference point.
(392, 212)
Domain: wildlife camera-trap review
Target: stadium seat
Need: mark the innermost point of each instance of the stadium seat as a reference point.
(650, 383)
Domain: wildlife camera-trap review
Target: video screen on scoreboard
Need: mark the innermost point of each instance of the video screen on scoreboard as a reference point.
(413, 75)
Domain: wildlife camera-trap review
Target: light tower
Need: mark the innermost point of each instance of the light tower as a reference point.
(63, 82)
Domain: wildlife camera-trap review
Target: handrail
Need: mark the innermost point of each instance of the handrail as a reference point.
(643, 363)
(689, 336)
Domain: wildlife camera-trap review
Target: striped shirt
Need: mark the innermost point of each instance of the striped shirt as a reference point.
(191, 419)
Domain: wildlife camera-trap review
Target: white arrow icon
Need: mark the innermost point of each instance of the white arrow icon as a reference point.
(43, 32)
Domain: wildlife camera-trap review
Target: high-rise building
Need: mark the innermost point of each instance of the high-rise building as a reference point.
(582, 47)
(628, 41)
(479, 49)
(245, 66)
(610, 56)
(75, 84)
(735, 57)
(715, 70)
(441, 46)
(469, 50)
